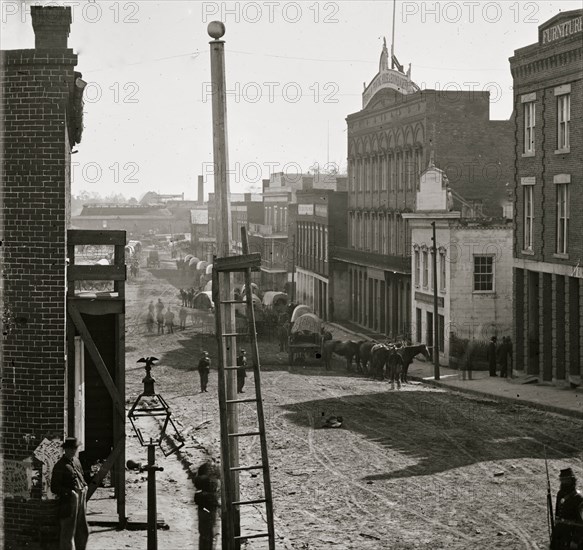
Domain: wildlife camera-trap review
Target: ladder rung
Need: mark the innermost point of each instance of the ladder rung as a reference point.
(234, 368)
(258, 535)
(233, 301)
(248, 400)
(243, 502)
(243, 434)
(234, 334)
(241, 468)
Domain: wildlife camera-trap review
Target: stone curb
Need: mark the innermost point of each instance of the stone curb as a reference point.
(514, 400)
(471, 391)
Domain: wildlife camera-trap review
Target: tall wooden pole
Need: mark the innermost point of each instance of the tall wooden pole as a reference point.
(216, 30)
(435, 308)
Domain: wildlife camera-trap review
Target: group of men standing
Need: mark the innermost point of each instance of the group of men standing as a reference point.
(500, 355)
(164, 320)
(204, 368)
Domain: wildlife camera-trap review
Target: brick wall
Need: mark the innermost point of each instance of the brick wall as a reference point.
(36, 99)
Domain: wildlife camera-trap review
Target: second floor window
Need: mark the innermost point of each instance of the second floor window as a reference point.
(562, 218)
(425, 268)
(442, 270)
(563, 120)
(529, 124)
(528, 216)
(483, 273)
(417, 268)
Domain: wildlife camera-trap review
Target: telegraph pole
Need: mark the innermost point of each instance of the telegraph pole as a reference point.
(435, 309)
(216, 30)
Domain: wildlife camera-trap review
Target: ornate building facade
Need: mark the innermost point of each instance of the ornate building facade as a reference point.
(390, 142)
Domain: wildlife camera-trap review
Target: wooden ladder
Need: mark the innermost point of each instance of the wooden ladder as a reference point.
(223, 267)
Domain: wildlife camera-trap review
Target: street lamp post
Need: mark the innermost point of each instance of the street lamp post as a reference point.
(150, 417)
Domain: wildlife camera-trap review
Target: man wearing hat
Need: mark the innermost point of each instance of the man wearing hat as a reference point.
(491, 356)
(241, 371)
(204, 368)
(568, 531)
(68, 483)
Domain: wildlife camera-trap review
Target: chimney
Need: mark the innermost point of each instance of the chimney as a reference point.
(201, 189)
(51, 26)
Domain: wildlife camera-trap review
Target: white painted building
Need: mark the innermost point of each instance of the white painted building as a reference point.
(474, 269)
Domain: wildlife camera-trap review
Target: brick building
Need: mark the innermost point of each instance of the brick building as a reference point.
(474, 270)
(548, 184)
(274, 237)
(389, 145)
(41, 110)
(320, 226)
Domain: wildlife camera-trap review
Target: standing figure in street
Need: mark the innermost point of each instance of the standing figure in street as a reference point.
(491, 356)
(182, 316)
(150, 322)
(568, 531)
(169, 319)
(468, 360)
(183, 297)
(241, 371)
(160, 321)
(159, 306)
(283, 335)
(68, 483)
(190, 297)
(206, 499)
(204, 368)
(502, 354)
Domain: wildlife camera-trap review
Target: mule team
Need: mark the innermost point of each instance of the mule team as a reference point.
(379, 360)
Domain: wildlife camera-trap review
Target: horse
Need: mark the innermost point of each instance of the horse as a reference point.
(347, 349)
(407, 353)
(379, 355)
(364, 355)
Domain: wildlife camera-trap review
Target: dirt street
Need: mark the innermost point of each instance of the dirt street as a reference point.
(419, 468)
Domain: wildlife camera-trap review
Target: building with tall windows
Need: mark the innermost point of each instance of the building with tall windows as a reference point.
(320, 216)
(474, 271)
(548, 185)
(390, 142)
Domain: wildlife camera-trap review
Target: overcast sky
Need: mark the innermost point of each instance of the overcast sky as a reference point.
(295, 69)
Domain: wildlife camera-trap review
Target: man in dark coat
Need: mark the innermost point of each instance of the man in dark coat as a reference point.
(568, 531)
(204, 368)
(241, 371)
(491, 356)
(206, 499)
(68, 483)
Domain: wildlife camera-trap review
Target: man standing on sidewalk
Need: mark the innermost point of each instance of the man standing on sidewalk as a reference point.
(568, 531)
(68, 483)
(491, 356)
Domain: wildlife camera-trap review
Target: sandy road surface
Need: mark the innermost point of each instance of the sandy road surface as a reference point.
(416, 468)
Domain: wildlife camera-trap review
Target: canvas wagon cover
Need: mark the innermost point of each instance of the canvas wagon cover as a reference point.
(307, 322)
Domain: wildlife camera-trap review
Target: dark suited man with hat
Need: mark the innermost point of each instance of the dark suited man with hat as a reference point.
(241, 371)
(568, 531)
(204, 369)
(68, 483)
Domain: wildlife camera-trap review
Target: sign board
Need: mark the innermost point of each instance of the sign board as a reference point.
(564, 29)
(322, 210)
(305, 209)
(48, 452)
(17, 478)
(428, 299)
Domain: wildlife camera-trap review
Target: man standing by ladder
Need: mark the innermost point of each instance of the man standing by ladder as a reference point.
(241, 371)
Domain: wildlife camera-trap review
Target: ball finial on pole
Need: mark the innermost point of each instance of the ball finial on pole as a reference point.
(216, 29)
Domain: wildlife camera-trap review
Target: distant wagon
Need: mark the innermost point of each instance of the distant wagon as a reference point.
(153, 259)
(305, 340)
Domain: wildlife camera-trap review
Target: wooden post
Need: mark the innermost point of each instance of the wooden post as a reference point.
(216, 30)
(435, 308)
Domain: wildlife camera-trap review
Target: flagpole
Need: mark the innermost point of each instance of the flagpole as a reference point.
(393, 39)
